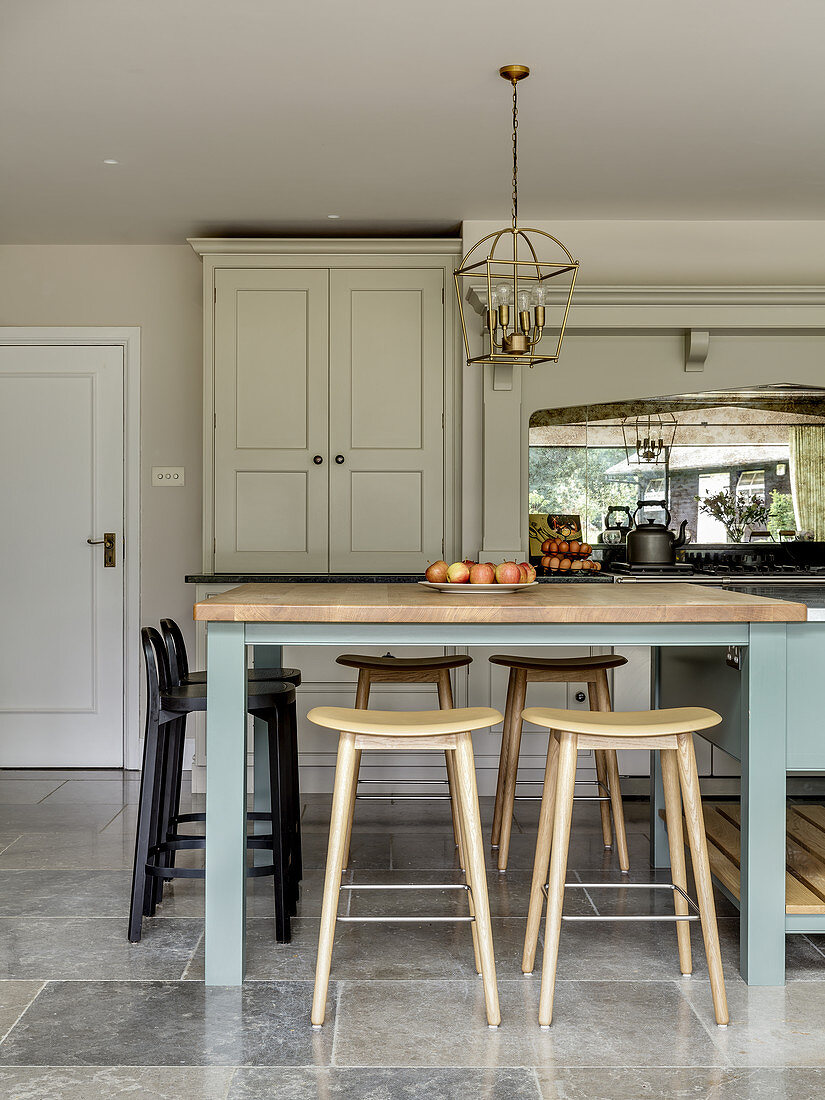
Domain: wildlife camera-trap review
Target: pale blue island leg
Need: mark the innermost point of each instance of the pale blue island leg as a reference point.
(225, 926)
(762, 858)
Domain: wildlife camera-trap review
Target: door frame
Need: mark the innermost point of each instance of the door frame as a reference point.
(128, 339)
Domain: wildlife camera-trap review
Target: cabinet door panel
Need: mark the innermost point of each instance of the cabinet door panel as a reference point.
(271, 360)
(387, 401)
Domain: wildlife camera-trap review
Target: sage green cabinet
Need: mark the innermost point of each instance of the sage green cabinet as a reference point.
(331, 384)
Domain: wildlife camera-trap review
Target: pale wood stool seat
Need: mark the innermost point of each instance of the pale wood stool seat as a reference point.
(444, 730)
(670, 732)
(567, 670)
(405, 670)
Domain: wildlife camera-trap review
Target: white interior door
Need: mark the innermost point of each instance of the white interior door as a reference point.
(386, 437)
(61, 639)
(271, 445)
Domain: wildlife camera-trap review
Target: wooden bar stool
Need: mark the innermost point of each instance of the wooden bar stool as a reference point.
(448, 731)
(405, 670)
(670, 732)
(565, 670)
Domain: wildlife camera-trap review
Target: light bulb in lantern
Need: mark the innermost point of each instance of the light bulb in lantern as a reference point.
(524, 302)
(494, 299)
(503, 290)
(541, 295)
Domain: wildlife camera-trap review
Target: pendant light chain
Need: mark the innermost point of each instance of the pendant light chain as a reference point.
(515, 155)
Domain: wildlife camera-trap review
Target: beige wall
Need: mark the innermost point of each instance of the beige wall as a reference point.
(158, 288)
(608, 368)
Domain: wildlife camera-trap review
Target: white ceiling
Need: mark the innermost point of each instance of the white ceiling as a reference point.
(262, 116)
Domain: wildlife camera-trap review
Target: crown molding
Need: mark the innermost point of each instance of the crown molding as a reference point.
(681, 296)
(314, 246)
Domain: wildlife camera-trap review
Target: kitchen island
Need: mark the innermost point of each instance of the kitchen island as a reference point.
(660, 615)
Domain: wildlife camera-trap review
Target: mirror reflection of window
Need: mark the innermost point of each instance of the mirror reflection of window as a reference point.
(766, 442)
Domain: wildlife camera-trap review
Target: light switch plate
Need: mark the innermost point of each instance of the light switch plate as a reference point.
(167, 476)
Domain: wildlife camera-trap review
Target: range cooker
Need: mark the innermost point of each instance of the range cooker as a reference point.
(755, 563)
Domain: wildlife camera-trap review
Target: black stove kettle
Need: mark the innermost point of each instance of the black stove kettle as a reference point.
(654, 543)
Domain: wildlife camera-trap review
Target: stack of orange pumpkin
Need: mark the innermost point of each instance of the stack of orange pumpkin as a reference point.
(560, 556)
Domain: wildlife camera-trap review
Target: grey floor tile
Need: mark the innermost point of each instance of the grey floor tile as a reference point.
(368, 952)
(57, 849)
(681, 1084)
(170, 1024)
(444, 1024)
(94, 948)
(335, 1083)
(634, 900)
(13, 792)
(769, 1026)
(59, 775)
(81, 1083)
(88, 791)
(71, 817)
(15, 998)
(36, 893)
(586, 852)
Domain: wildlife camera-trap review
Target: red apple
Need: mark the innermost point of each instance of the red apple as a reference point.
(437, 572)
(469, 562)
(482, 574)
(530, 570)
(523, 572)
(458, 573)
(508, 573)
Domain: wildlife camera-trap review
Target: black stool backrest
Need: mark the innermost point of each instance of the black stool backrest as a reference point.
(175, 649)
(158, 679)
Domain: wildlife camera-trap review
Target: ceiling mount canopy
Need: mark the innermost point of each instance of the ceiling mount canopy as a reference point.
(526, 269)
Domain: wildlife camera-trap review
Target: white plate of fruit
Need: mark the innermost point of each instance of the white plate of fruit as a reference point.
(474, 576)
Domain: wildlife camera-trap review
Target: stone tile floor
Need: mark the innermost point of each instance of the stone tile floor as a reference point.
(84, 1014)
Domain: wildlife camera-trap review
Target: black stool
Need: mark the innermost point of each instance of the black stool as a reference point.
(180, 674)
(158, 839)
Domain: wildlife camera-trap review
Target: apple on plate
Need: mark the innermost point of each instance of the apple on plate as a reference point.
(529, 571)
(458, 573)
(508, 573)
(437, 572)
(482, 573)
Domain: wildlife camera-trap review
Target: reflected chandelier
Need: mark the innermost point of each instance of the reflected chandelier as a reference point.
(516, 276)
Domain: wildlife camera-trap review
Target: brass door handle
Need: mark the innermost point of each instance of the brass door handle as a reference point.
(108, 542)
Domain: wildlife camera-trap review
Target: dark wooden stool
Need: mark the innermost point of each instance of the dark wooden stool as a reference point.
(567, 670)
(180, 674)
(159, 818)
(405, 670)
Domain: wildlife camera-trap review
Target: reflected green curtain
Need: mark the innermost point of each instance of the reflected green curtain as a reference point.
(808, 478)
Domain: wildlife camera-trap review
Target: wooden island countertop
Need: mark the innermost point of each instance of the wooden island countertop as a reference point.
(413, 603)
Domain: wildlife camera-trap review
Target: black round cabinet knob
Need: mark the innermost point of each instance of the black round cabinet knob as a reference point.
(318, 460)
(339, 459)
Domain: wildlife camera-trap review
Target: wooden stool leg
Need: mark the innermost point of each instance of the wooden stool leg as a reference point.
(542, 858)
(511, 772)
(362, 701)
(450, 763)
(345, 780)
(458, 811)
(568, 751)
(694, 817)
(613, 781)
(474, 845)
(502, 759)
(445, 702)
(676, 844)
(601, 768)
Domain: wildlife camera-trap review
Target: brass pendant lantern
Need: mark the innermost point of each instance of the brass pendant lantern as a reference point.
(649, 439)
(526, 275)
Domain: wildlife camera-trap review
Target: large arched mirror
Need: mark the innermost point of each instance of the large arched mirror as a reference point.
(711, 456)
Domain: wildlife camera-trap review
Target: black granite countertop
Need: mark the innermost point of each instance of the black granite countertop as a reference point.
(364, 578)
(812, 595)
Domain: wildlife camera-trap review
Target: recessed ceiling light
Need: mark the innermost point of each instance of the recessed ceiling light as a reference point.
(333, 216)
(110, 161)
